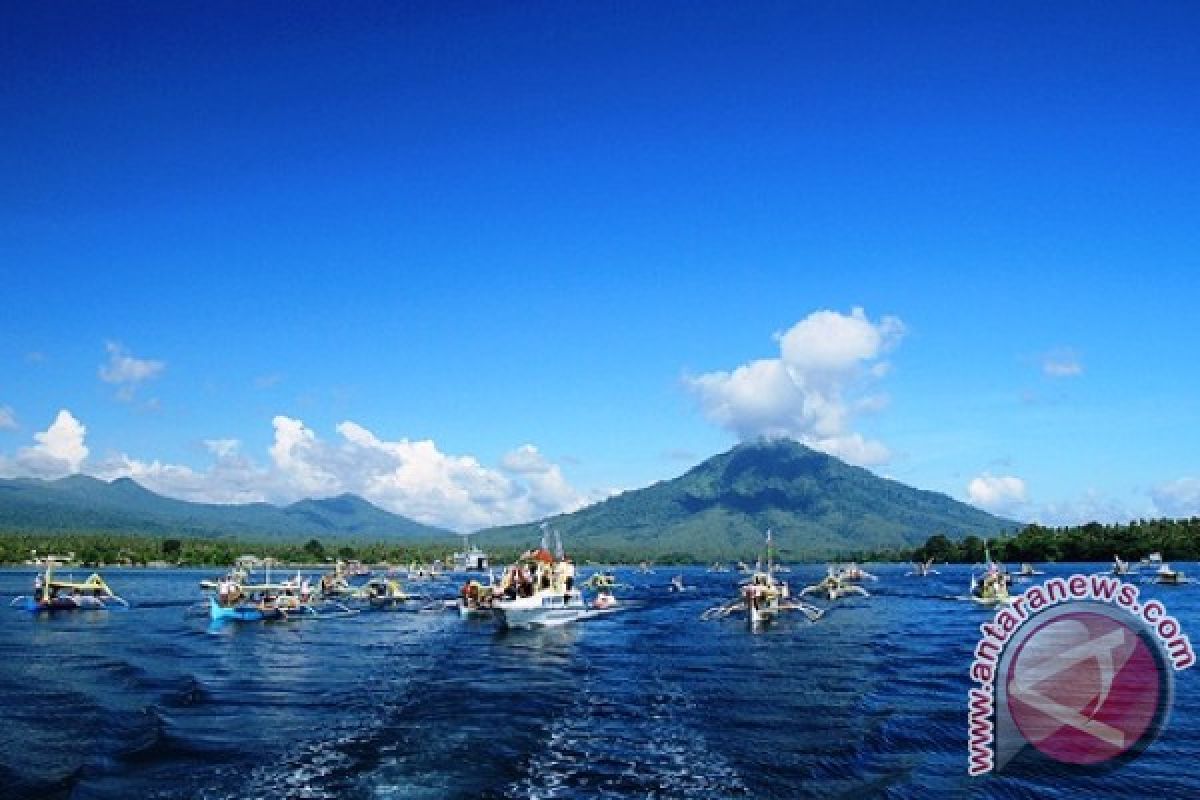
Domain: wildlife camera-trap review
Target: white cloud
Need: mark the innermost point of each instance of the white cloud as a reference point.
(298, 456)
(548, 490)
(222, 448)
(413, 478)
(1091, 506)
(1062, 363)
(1000, 493)
(1178, 498)
(60, 450)
(8, 418)
(126, 371)
(813, 390)
(232, 479)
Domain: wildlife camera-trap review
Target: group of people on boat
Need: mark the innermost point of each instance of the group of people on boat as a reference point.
(538, 571)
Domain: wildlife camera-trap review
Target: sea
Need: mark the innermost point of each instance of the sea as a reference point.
(649, 701)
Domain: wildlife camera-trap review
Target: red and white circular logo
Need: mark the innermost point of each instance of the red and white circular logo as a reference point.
(1086, 686)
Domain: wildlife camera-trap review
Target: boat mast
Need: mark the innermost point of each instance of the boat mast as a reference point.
(769, 566)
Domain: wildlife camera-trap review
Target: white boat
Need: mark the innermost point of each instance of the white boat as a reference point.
(601, 580)
(382, 592)
(762, 598)
(992, 588)
(476, 600)
(1027, 570)
(422, 572)
(544, 608)
(539, 590)
(604, 600)
(833, 586)
(1120, 567)
(1170, 577)
(56, 594)
(923, 569)
(471, 559)
(853, 572)
(677, 584)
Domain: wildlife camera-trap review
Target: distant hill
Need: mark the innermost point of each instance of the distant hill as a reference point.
(80, 503)
(817, 506)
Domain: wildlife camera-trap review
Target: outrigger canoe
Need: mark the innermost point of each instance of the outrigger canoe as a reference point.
(243, 612)
(92, 594)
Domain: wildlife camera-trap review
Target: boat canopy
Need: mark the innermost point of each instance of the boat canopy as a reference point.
(94, 583)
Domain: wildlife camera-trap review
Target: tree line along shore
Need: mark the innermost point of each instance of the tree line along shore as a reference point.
(1175, 539)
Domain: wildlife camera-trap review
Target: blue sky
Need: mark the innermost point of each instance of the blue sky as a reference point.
(483, 262)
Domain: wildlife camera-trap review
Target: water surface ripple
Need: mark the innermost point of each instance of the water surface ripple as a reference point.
(648, 703)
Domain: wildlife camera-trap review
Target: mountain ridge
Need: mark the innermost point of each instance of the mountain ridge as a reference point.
(817, 505)
(84, 503)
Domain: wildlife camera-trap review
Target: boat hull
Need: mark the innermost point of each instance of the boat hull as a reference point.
(62, 604)
(475, 613)
(540, 611)
(243, 613)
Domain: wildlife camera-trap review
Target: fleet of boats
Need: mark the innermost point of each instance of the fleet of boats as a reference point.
(539, 589)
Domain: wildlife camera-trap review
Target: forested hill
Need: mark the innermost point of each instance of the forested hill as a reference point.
(816, 505)
(82, 504)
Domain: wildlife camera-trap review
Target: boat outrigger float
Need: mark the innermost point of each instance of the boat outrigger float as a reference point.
(763, 598)
(54, 594)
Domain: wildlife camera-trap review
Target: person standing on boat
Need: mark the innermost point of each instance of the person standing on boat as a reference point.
(225, 591)
(568, 573)
(38, 585)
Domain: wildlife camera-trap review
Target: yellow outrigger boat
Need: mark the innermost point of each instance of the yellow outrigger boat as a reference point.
(54, 594)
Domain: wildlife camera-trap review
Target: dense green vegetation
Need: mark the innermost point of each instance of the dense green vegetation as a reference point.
(817, 506)
(1176, 539)
(105, 548)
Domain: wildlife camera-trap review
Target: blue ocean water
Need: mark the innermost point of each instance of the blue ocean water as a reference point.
(650, 702)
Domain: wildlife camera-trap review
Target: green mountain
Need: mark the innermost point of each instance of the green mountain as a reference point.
(82, 504)
(816, 506)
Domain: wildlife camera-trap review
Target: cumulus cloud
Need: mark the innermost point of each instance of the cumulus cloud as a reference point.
(231, 479)
(222, 448)
(8, 418)
(1178, 498)
(813, 390)
(59, 450)
(1062, 363)
(1091, 506)
(999, 493)
(126, 372)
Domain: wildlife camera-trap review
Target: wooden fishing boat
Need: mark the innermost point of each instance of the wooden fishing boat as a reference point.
(57, 594)
(762, 598)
